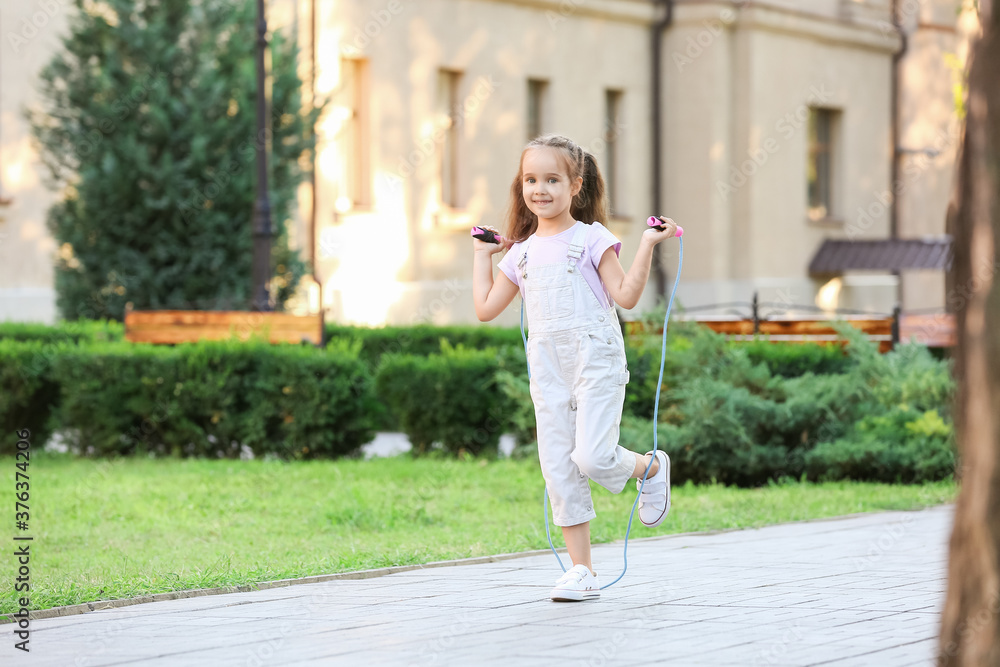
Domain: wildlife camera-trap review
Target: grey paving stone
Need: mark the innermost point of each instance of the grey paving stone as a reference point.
(861, 590)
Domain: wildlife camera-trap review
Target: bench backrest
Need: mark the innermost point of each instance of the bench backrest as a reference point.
(182, 326)
(936, 330)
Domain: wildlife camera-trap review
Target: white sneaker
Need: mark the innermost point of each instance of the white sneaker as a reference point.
(654, 503)
(577, 583)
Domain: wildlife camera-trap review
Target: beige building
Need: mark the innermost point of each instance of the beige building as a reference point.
(776, 122)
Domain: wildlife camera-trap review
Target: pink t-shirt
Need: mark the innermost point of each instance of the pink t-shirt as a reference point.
(552, 249)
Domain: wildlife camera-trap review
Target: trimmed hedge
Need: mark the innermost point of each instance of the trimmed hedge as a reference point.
(419, 340)
(422, 339)
(78, 332)
(204, 399)
(734, 413)
(452, 398)
(27, 391)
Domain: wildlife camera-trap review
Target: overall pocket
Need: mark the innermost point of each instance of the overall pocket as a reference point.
(560, 301)
(551, 302)
(605, 344)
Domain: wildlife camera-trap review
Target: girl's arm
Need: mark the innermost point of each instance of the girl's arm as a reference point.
(624, 288)
(490, 298)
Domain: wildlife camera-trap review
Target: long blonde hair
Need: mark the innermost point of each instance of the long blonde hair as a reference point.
(589, 205)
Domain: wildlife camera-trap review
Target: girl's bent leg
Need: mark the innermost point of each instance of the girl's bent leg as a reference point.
(578, 543)
(640, 466)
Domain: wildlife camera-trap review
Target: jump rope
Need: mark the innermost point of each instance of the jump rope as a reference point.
(491, 237)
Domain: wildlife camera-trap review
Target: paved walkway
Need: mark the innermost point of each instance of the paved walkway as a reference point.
(864, 590)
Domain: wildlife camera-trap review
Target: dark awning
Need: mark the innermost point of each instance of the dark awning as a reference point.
(883, 255)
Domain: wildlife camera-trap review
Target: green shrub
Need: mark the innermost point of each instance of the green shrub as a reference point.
(27, 392)
(79, 332)
(734, 436)
(452, 398)
(729, 419)
(792, 360)
(903, 445)
(209, 398)
(643, 356)
(903, 430)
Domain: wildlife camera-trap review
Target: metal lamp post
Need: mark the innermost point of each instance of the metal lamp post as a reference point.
(262, 231)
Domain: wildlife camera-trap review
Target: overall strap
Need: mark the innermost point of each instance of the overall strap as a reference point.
(576, 247)
(522, 266)
(522, 262)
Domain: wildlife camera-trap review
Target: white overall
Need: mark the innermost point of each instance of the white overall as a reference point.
(576, 356)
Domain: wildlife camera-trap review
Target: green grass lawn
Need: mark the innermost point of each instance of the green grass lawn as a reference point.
(114, 529)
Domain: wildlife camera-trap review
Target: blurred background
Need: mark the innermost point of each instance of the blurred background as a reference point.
(807, 147)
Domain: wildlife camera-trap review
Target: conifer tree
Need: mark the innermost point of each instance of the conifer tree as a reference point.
(148, 131)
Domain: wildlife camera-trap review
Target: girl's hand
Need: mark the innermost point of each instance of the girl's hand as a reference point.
(654, 236)
(490, 248)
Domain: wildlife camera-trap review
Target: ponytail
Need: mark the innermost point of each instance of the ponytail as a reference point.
(591, 203)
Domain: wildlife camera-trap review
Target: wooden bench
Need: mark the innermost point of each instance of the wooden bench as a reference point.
(183, 326)
(931, 330)
(803, 331)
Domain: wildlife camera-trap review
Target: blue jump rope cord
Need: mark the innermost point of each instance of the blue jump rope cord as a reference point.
(656, 408)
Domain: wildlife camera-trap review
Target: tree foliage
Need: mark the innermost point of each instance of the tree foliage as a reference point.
(147, 128)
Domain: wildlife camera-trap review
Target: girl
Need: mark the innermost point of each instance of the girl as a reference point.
(565, 264)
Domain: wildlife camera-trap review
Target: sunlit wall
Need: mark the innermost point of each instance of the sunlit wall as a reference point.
(30, 34)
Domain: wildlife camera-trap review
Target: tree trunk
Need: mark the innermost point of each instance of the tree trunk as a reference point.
(970, 632)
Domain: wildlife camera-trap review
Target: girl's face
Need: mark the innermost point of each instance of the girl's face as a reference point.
(548, 191)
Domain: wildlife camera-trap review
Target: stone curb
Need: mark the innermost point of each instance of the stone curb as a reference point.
(71, 610)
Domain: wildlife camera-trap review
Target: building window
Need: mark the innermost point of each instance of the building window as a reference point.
(448, 104)
(537, 92)
(613, 125)
(352, 100)
(822, 160)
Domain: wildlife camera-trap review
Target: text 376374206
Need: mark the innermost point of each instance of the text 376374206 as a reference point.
(22, 550)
